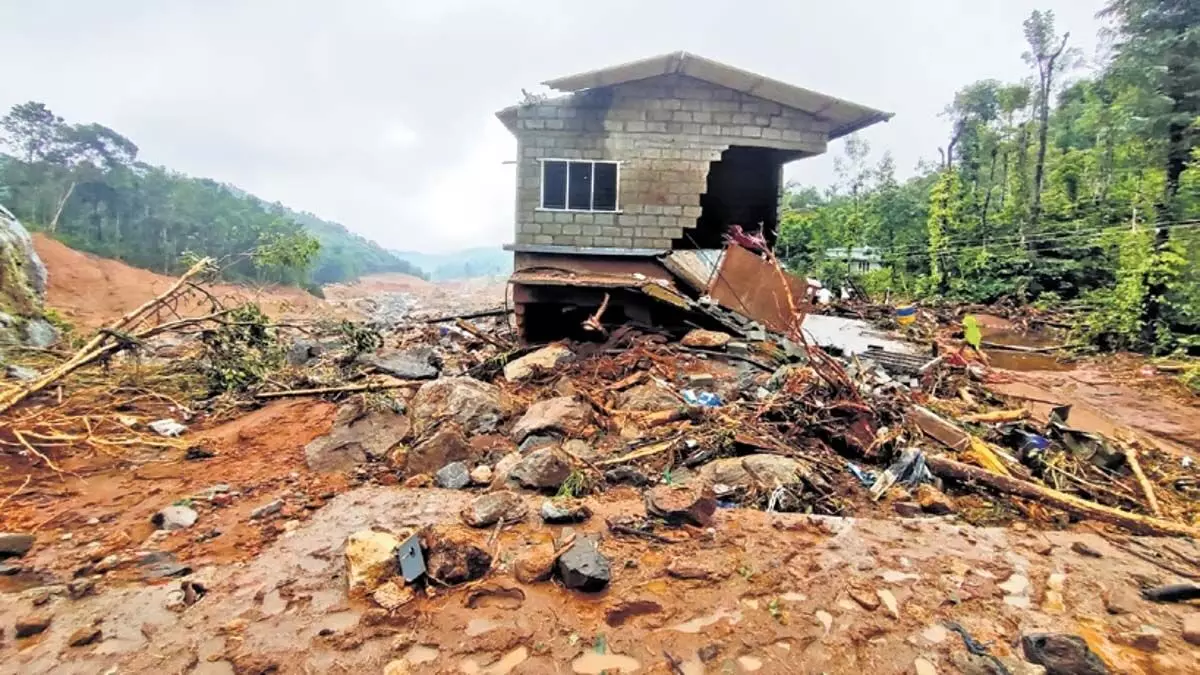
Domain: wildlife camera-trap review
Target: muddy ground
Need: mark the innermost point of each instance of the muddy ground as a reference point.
(248, 590)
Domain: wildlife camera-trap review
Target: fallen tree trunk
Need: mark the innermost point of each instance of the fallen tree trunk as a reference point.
(948, 468)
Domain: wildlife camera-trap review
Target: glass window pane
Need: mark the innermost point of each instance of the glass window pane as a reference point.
(605, 176)
(579, 186)
(554, 185)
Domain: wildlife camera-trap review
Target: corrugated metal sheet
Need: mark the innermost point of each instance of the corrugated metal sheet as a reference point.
(845, 116)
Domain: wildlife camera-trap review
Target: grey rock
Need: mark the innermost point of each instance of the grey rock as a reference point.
(474, 405)
(419, 363)
(446, 445)
(16, 246)
(561, 414)
(14, 544)
(453, 476)
(628, 475)
(542, 469)
(268, 509)
(559, 511)
(648, 397)
(583, 567)
(302, 351)
(489, 509)
(536, 441)
(161, 565)
(545, 359)
(21, 373)
(743, 471)
(1062, 654)
(502, 472)
(356, 436)
(40, 333)
(175, 518)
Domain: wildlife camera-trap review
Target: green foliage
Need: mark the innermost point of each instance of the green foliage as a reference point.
(971, 333)
(83, 184)
(1066, 217)
(242, 351)
(360, 338)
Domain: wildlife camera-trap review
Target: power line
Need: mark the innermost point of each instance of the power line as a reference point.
(1018, 244)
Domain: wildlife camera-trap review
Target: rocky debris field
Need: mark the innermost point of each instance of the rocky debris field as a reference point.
(415, 495)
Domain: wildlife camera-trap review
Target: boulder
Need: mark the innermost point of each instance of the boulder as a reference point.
(84, 636)
(536, 441)
(32, 624)
(562, 414)
(502, 472)
(1191, 628)
(560, 511)
(742, 471)
(647, 397)
(678, 505)
(535, 564)
(392, 594)
(418, 363)
(481, 475)
(933, 500)
(453, 476)
(1062, 654)
(22, 279)
(370, 559)
(356, 436)
(583, 567)
(175, 518)
(302, 351)
(489, 509)
(446, 445)
(705, 339)
(40, 333)
(543, 469)
(547, 358)
(13, 544)
(453, 555)
(474, 405)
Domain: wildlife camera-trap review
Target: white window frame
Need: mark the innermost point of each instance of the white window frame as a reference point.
(592, 199)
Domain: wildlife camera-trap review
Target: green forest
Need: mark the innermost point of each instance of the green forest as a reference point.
(83, 184)
(1075, 188)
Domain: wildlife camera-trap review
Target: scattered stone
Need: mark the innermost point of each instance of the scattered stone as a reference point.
(889, 602)
(1053, 602)
(370, 559)
(933, 500)
(302, 351)
(908, 509)
(826, 620)
(418, 363)
(543, 469)
(705, 339)
(21, 373)
(1121, 599)
(446, 445)
(196, 452)
(1191, 628)
(695, 569)
(935, 634)
(356, 436)
(867, 600)
(502, 472)
(32, 624)
(583, 567)
(546, 359)
(453, 476)
(489, 509)
(266, 510)
(84, 636)
(535, 564)
(626, 475)
(701, 379)
(453, 555)
(563, 414)
(79, 588)
(561, 511)
(535, 441)
(747, 471)
(1062, 654)
(1085, 550)
(649, 397)
(15, 544)
(924, 667)
(709, 652)
(175, 517)
(40, 333)
(474, 405)
(1145, 638)
(481, 475)
(167, 427)
(161, 565)
(693, 505)
(391, 595)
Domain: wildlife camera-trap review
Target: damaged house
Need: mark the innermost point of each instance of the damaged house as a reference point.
(630, 185)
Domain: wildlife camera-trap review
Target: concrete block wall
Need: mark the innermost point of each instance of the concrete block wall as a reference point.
(665, 131)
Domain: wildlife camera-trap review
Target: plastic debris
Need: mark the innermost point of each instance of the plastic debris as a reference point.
(908, 470)
(704, 399)
(167, 427)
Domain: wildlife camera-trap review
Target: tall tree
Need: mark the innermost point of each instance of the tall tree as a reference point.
(1046, 53)
(32, 129)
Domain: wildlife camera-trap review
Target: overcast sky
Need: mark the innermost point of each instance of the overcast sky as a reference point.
(380, 114)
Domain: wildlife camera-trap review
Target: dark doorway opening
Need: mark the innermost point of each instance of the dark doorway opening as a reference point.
(743, 189)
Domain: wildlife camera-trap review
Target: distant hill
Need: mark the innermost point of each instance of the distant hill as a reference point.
(467, 263)
(345, 256)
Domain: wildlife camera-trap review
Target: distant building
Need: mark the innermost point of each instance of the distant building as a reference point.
(861, 258)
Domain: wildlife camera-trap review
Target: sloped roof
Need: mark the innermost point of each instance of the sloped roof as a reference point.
(846, 117)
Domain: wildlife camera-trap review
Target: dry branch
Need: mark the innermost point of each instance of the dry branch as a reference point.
(948, 468)
(335, 390)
